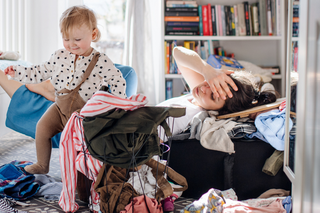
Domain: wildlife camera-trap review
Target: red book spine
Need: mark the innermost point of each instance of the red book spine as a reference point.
(205, 21)
(209, 19)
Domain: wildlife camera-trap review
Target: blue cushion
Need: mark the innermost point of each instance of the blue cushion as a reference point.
(26, 108)
(130, 75)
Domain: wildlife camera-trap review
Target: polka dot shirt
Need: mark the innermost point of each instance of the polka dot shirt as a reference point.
(65, 72)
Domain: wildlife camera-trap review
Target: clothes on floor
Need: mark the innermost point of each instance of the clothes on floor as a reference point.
(232, 206)
(271, 125)
(273, 163)
(15, 182)
(275, 193)
(75, 156)
(49, 188)
(143, 204)
(241, 130)
(214, 134)
(144, 182)
(210, 202)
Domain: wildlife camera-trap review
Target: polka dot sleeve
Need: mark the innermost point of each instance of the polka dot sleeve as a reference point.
(35, 73)
(112, 76)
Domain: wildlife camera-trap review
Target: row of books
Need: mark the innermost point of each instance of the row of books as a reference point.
(181, 18)
(243, 19)
(203, 48)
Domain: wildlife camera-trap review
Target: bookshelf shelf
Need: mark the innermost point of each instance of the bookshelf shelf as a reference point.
(265, 51)
(225, 38)
(171, 76)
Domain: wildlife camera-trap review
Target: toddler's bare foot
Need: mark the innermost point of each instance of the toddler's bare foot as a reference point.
(36, 169)
(45, 89)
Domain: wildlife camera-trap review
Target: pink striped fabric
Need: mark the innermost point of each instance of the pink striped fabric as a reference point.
(72, 144)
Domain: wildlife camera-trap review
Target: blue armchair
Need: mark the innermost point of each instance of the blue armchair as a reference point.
(22, 120)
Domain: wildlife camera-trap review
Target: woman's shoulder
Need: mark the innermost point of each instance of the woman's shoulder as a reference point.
(183, 100)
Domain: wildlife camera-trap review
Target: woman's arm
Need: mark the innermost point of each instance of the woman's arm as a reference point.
(195, 71)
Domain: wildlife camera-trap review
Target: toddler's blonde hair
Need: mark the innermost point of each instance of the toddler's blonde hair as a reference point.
(76, 16)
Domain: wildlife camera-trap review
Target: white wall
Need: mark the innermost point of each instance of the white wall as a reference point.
(43, 22)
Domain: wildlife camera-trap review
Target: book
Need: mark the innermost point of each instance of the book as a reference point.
(179, 13)
(168, 58)
(218, 19)
(200, 20)
(206, 50)
(255, 19)
(181, 4)
(180, 24)
(213, 18)
(250, 19)
(182, 29)
(263, 17)
(209, 19)
(278, 15)
(246, 16)
(223, 21)
(182, 9)
(269, 18)
(181, 33)
(295, 57)
(205, 21)
(165, 57)
(236, 19)
(233, 27)
(182, 18)
(241, 20)
(223, 62)
(169, 91)
(273, 17)
(191, 45)
(227, 19)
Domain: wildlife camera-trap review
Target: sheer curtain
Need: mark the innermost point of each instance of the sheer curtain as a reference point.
(141, 47)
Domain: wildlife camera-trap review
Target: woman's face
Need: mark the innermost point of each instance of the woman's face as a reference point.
(204, 97)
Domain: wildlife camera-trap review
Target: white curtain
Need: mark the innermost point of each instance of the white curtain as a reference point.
(141, 46)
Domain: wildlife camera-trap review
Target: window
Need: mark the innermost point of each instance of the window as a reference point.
(111, 23)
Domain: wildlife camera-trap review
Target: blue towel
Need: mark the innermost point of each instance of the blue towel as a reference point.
(271, 125)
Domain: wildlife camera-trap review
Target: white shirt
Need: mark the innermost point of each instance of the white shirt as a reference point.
(67, 73)
(177, 125)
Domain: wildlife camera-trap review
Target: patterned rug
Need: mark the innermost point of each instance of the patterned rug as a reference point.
(15, 146)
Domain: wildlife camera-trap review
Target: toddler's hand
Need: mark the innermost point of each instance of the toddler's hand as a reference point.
(9, 71)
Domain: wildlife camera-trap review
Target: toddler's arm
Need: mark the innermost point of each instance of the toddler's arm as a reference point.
(112, 77)
(33, 74)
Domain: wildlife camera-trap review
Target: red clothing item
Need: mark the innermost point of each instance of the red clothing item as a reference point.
(140, 205)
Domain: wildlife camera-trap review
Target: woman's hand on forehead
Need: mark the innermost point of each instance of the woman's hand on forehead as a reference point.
(218, 81)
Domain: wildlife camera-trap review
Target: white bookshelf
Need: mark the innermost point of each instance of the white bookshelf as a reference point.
(259, 50)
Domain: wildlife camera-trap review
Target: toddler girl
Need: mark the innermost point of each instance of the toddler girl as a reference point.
(76, 72)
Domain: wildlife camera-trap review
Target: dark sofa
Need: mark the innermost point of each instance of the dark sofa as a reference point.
(242, 171)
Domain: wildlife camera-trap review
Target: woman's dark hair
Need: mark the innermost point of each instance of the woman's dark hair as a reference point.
(247, 95)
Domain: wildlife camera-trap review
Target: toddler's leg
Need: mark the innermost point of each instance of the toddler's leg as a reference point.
(49, 125)
(10, 86)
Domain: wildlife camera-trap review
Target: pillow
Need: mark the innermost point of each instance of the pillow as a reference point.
(5, 63)
(265, 75)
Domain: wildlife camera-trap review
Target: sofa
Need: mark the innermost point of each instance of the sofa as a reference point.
(242, 170)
